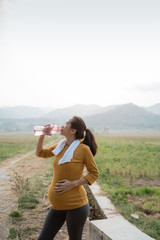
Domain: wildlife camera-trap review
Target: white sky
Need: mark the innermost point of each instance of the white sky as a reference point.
(60, 53)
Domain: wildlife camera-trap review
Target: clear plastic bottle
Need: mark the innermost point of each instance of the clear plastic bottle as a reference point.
(49, 129)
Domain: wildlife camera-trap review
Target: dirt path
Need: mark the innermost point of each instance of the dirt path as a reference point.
(28, 165)
(8, 197)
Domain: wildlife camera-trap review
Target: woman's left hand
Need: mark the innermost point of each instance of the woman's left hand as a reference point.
(63, 186)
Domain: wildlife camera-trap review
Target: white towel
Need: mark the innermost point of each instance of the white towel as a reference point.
(68, 155)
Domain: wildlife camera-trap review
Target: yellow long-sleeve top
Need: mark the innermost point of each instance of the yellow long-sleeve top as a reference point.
(77, 196)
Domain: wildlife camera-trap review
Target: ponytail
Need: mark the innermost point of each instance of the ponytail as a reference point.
(88, 138)
(90, 141)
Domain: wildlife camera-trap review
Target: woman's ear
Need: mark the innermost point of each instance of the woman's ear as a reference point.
(73, 131)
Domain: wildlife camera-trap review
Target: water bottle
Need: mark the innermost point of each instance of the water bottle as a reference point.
(48, 129)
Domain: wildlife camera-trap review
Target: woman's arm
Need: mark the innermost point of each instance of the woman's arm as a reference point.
(65, 185)
(93, 172)
(44, 152)
(40, 145)
(79, 182)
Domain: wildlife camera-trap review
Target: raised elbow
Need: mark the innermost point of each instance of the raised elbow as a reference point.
(38, 153)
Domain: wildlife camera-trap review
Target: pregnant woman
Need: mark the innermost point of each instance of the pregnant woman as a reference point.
(66, 192)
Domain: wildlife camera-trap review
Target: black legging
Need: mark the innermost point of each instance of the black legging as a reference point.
(75, 220)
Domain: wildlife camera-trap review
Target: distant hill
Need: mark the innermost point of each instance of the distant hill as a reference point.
(20, 112)
(154, 109)
(61, 114)
(124, 117)
(116, 117)
(79, 109)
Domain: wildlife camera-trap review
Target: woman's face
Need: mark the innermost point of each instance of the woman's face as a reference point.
(67, 130)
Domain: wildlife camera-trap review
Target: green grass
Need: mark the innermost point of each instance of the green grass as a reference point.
(16, 216)
(28, 231)
(150, 226)
(129, 156)
(148, 191)
(123, 162)
(12, 233)
(27, 201)
(13, 145)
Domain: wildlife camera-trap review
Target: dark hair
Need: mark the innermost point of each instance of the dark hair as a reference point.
(79, 125)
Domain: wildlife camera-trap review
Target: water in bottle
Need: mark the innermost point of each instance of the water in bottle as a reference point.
(48, 129)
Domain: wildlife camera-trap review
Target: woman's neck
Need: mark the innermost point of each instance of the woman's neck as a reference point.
(69, 141)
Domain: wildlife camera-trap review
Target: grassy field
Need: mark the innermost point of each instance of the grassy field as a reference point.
(12, 145)
(130, 176)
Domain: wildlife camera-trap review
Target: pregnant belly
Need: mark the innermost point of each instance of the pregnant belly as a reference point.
(75, 197)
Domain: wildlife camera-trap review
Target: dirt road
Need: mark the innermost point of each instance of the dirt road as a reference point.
(8, 197)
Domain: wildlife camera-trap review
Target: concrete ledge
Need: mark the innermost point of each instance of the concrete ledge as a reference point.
(115, 227)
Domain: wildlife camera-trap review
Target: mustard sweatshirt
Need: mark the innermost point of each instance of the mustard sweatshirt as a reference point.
(77, 196)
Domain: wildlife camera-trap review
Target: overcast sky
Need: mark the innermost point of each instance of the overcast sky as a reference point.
(60, 53)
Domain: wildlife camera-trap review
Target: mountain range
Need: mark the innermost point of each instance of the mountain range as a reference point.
(115, 117)
(21, 112)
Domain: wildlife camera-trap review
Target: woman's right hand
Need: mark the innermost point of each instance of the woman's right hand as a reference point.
(48, 129)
